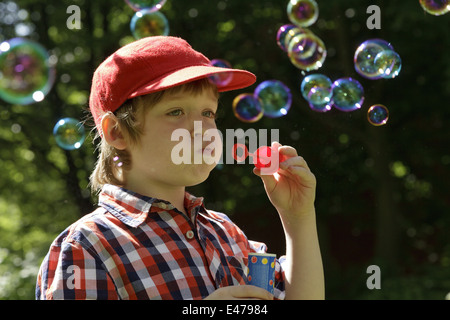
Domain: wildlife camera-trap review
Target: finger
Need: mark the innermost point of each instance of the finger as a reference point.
(276, 145)
(270, 180)
(303, 173)
(294, 161)
(287, 151)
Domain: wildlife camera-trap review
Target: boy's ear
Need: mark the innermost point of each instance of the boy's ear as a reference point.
(112, 132)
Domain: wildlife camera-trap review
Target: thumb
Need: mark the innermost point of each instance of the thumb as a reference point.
(268, 179)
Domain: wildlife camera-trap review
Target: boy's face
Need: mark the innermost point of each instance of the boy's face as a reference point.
(152, 162)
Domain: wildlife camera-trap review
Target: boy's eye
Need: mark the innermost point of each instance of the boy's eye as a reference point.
(209, 114)
(179, 112)
(175, 113)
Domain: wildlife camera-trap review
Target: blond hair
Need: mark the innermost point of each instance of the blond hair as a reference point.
(112, 162)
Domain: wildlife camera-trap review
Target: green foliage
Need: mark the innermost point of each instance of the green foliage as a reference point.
(382, 192)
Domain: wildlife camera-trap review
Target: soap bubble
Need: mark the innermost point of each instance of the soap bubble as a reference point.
(69, 133)
(365, 56)
(275, 97)
(26, 74)
(151, 5)
(435, 7)
(303, 13)
(281, 35)
(146, 23)
(316, 89)
(223, 78)
(247, 108)
(307, 51)
(378, 115)
(348, 94)
(290, 31)
(388, 63)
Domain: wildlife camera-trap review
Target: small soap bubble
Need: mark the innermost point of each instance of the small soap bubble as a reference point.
(69, 133)
(388, 63)
(222, 78)
(348, 94)
(151, 5)
(146, 23)
(365, 56)
(275, 97)
(435, 7)
(307, 51)
(26, 73)
(303, 13)
(247, 108)
(378, 115)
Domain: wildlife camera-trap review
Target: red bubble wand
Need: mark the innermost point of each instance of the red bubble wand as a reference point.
(261, 158)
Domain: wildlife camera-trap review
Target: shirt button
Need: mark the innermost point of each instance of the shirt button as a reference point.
(190, 234)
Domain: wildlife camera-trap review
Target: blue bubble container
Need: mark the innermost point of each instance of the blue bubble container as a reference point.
(261, 270)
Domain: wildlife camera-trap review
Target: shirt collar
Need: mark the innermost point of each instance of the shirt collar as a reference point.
(133, 209)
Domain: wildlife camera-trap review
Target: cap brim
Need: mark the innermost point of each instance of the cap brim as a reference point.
(240, 79)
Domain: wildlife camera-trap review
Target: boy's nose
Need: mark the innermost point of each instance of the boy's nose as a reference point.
(197, 129)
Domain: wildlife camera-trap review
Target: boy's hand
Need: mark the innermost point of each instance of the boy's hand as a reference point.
(292, 189)
(244, 292)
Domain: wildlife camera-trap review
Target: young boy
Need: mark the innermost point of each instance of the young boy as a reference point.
(149, 238)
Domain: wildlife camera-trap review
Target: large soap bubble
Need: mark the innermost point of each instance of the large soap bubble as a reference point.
(348, 94)
(307, 51)
(364, 58)
(316, 89)
(147, 23)
(275, 97)
(388, 63)
(376, 59)
(26, 74)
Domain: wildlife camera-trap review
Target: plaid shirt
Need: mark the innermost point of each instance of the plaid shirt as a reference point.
(136, 247)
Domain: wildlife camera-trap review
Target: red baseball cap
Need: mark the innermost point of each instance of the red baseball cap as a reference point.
(149, 65)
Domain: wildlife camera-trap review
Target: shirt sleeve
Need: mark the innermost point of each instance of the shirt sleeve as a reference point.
(70, 272)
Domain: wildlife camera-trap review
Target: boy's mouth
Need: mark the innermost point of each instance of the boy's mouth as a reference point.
(208, 149)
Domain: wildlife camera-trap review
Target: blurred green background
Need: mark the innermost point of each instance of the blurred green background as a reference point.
(382, 195)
